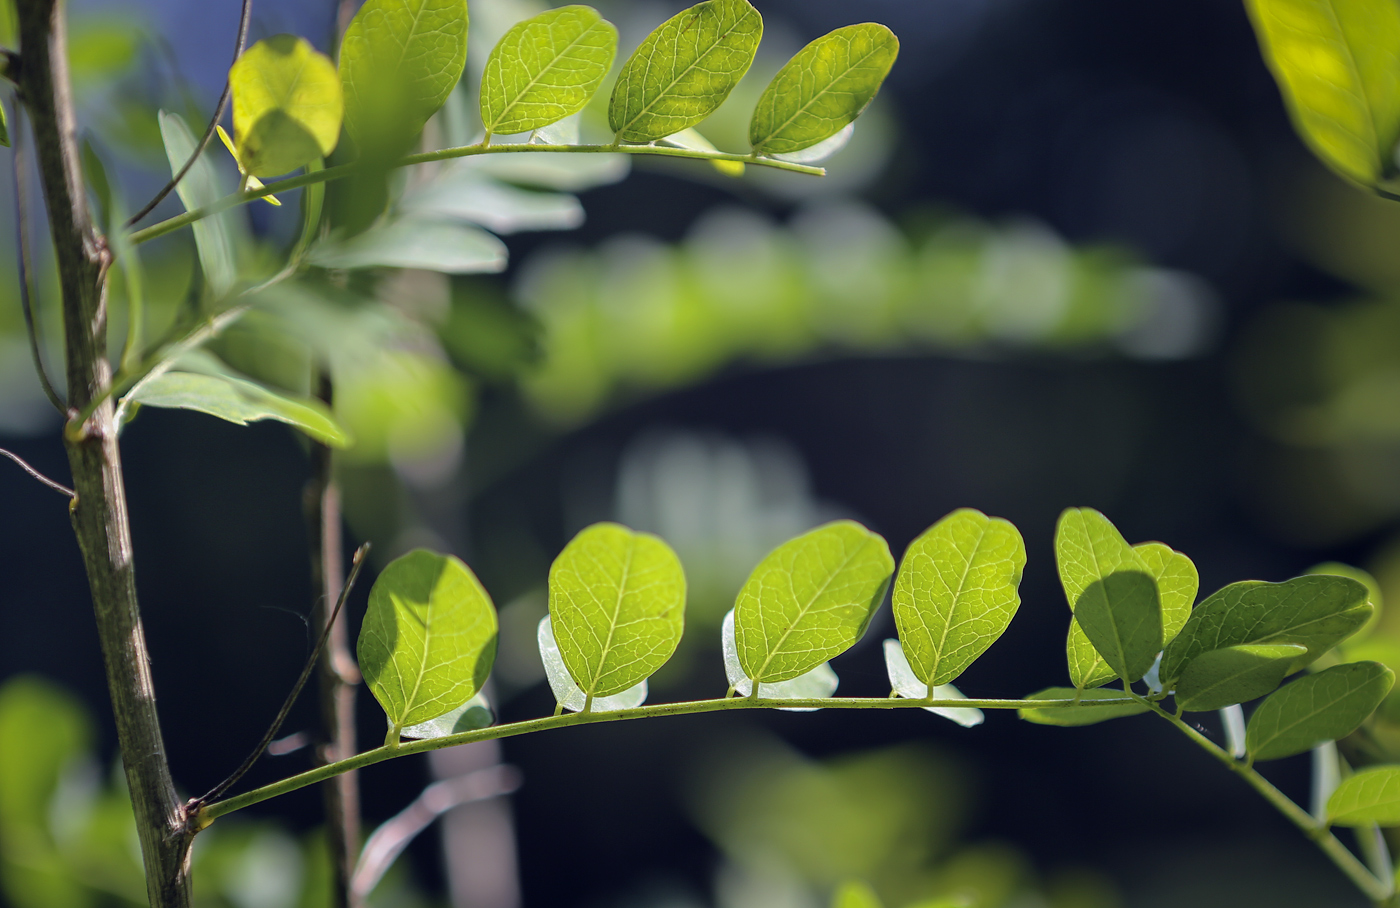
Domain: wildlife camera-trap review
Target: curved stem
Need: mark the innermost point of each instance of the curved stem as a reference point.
(444, 154)
(210, 812)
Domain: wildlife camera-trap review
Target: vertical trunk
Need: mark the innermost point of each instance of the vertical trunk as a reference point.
(99, 513)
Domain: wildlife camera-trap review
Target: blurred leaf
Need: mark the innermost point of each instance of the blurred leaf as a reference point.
(822, 89)
(907, 685)
(545, 69)
(475, 713)
(855, 894)
(1234, 674)
(199, 188)
(684, 70)
(486, 335)
(1074, 716)
(818, 683)
(693, 140)
(1088, 549)
(567, 693)
(466, 193)
(1316, 708)
(956, 592)
(101, 48)
(811, 599)
(1177, 584)
(287, 105)
(1335, 62)
(1369, 796)
(1317, 612)
(617, 604)
(42, 728)
(252, 183)
(5, 128)
(428, 638)
(413, 243)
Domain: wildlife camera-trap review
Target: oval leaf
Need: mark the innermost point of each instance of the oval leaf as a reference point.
(822, 89)
(1369, 796)
(287, 105)
(1177, 584)
(1317, 612)
(1234, 674)
(956, 592)
(428, 638)
(1316, 709)
(684, 70)
(810, 600)
(1335, 62)
(617, 603)
(1072, 716)
(545, 69)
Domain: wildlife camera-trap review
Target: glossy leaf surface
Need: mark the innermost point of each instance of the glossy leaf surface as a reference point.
(1072, 716)
(428, 637)
(823, 89)
(1369, 796)
(1234, 674)
(956, 592)
(287, 105)
(545, 69)
(810, 600)
(1316, 708)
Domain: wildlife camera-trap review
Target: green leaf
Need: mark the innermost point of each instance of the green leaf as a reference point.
(617, 605)
(287, 105)
(409, 242)
(1074, 716)
(907, 685)
(428, 638)
(399, 60)
(1122, 618)
(1373, 592)
(1317, 612)
(199, 188)
(956, 592)
(1177, 584)
(818, 683)
(4, 127)
(822, 89)
(545, 69)
(1316, 709)
(1337, 63)
(684, 70)
(200, 382)
(1369, 796)
(475, 713)
(1235, 674)
(855, 894)
(566, 692)
(811, 599)
(1088, 548)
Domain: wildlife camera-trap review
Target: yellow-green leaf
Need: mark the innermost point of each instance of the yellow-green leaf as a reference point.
(287, 105)
(1370, 796)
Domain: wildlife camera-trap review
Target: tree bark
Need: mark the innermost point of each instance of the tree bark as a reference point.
(99, 512)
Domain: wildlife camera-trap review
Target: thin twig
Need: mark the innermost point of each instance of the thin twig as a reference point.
(357, 562)
(19, 159)
(37, 475)
(208, 133)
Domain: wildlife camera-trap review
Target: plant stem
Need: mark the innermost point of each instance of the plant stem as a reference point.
(99, 512)
(1378, 891)
(213, 811)
(464, 151)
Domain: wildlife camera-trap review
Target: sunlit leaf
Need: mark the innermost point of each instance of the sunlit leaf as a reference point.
(199, 188)
(810, 600)
(465, 193)
(1234, 674)
(818, 683)
(287, 105)
(545, 69)
(410, 242)
(1317, 612)
(855, 894)
(684, 70)
(475, 713)
(428, 638)
(1337, 63)
(1070, 716)
(253, 184)
(1369, 796)
(566, 693)
(1316, 708)
(1177, 584)
(905, 683)
(617, 603)
(823, 89)
(956, 592)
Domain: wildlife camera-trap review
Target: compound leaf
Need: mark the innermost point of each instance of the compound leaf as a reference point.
(1315, 611)
(1073, 716)
(1234, 674)
(1316, 708)
(822, 89)
(684, 70)
(810, 600)
(617, 604)
(428, 638)
(287, 105)
(545, 69)
(1337, 63)
(1369, 796)
(956, 592)
(1177, 584)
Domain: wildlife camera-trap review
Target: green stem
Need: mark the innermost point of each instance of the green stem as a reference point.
(1377, 890)
(211, 812)
(345, 170)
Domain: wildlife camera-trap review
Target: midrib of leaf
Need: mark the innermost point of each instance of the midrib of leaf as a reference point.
(803, 109)
(962, 582)
(423, 660)
(617, 610)
(802, 612)
(1371, 140)
(645, 110)
(536, 79)
(1280, 730)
